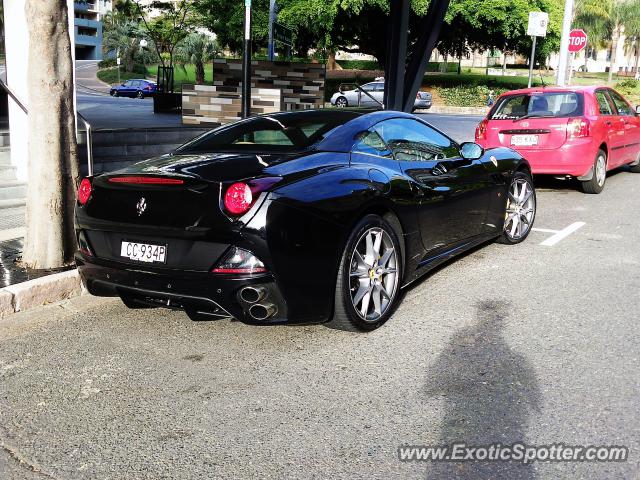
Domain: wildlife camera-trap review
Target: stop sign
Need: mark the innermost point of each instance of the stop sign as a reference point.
(577, 40)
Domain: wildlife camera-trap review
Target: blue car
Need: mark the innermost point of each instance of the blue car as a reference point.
(134, 88)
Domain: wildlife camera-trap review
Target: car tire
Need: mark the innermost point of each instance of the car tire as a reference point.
(599, 177)
(377, 280)
(521, 205)
(635, 168)
(140, 95)
(112, 93)
(132, 303)
(341, 102)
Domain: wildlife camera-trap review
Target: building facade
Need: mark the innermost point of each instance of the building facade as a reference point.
(87, 27)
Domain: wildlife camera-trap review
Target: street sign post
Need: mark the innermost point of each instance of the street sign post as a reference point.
(537, 27)
(577, 42)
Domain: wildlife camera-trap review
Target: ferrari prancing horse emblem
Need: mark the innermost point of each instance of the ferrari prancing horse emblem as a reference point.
(141, 206)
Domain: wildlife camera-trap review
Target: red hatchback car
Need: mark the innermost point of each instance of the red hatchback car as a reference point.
(579, 132)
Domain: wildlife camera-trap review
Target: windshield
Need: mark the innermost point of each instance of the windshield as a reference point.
(547, 104)
(269, 133)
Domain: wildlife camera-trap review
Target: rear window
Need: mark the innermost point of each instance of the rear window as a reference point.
(277, 133)
(548, 104)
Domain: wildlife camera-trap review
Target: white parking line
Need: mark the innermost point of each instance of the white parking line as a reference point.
(562, 234)
(544, 230)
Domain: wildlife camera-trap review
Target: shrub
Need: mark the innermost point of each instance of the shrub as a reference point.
(107, 62)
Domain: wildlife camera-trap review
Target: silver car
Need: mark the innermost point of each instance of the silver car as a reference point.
(371, 95)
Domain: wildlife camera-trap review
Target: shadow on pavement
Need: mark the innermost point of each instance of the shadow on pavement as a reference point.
(489, 391)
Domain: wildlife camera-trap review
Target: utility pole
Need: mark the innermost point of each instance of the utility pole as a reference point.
(272, 18)
(561, 74)
(246, 62)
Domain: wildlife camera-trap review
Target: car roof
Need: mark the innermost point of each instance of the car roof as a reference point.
(555, 89)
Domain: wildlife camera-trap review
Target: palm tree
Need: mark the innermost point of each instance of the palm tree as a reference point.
(197, 49)
(124, 38)
(623, 13)
(593, 16)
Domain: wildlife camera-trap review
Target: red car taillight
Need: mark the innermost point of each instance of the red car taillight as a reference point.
(578, 127)
(481, 130)
(84, 191)
(143, 180)
(240, 196)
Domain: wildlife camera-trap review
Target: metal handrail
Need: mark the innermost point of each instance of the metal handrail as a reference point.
(13, 96)
(362, 90)
(86, 123)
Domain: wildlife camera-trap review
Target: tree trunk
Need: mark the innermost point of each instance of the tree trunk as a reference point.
(614, 49)
(331, 61)
(637, 52)
(52, 163)
(586, 58)
(200, 72)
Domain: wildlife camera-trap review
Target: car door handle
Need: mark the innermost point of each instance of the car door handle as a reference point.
(608, 124)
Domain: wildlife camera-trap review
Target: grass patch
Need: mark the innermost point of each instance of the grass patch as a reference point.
(186, 75)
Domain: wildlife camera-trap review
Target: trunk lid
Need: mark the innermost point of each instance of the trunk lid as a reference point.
(192, 201)
(528, 134)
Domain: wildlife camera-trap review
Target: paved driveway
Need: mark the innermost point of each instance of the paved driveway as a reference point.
(535, 343)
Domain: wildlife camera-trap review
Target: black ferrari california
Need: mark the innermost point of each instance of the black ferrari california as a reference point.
(298, 217)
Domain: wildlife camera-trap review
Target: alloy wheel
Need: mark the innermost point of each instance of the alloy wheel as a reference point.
(521, 209)
(373, 281)
(601, 170)
(341, 102)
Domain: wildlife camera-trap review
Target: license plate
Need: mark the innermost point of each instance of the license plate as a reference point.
(143, 252)
(524, 140)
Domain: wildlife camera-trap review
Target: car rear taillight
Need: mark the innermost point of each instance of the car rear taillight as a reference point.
(240, 196)
(239, 260)
(578, 127)
(481, 130)
(84, 191)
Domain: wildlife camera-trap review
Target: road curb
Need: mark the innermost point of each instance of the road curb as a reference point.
(40, 291)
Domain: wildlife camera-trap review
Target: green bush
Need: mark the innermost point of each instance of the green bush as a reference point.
(107, 62)
(359, 64)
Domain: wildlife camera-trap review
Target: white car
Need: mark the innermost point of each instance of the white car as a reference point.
(373, 96)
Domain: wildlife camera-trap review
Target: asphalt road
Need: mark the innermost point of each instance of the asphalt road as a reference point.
(530, 343)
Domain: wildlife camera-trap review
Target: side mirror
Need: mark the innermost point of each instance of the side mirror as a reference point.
(637, 109)
(471, 151)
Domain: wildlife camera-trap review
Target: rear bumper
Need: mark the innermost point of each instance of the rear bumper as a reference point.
(575, 158)
(201, 291)
(422, 104)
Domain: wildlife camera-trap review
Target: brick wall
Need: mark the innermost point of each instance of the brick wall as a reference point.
(301, 86)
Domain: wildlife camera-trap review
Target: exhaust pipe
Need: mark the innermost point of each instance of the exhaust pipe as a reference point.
(252, 294)
(262, 312)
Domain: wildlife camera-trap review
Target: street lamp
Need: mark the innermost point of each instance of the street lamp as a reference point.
(143, 45)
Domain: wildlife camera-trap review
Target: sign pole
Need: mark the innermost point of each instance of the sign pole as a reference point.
(272, 18)
(532, 61)
(246, 62)
(564, 43)
(573, 59)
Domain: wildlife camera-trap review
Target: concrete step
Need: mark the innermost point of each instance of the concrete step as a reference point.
(5, 155)
(12, 203)
(5, 140)
(12, 189)
(7, 172)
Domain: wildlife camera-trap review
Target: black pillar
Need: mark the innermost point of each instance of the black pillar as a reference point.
(427, 40)
(246, 63)
(396, 54)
